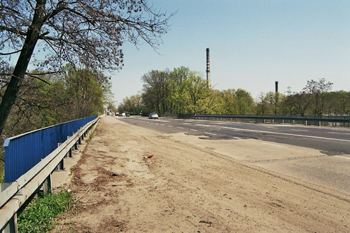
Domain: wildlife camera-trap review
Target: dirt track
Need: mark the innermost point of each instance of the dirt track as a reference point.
(184, 188)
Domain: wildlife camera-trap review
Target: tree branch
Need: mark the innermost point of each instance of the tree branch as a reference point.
(43, 80)
(13, 30)
(4, 54)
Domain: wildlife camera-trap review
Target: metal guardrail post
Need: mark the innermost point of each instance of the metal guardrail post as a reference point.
(70, 150)
(11, 226)
(62, 165)
(46, 186)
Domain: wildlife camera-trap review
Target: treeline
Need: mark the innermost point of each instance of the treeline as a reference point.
(49, 99)
(182, 91)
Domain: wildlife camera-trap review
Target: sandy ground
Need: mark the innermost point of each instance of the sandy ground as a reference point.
(188, 187)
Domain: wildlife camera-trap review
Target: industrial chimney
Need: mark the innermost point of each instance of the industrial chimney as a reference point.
(276, 86)
(276, 96)
(208, 69)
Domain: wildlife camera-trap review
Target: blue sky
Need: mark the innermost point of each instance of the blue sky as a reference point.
(252, 43)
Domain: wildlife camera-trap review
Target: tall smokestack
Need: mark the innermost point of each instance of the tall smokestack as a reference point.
(276, 96)
(276, 86)
(208, 69)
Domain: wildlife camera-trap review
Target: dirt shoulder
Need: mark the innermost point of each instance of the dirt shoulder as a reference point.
(187, 188)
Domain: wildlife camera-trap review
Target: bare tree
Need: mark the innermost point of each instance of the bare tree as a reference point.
(87, 33)
(263, 106)
(318, 90)
(301, 102)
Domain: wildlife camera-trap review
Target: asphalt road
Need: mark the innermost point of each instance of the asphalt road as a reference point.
(331, 170)
(329, 140)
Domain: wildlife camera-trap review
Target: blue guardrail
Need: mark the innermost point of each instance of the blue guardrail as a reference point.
(24, 151)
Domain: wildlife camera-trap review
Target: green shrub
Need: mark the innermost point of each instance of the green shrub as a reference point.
(39, 215)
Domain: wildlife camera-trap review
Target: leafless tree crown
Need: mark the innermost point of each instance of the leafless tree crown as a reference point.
(88, 33)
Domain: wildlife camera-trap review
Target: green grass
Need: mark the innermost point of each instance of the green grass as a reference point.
(89, 138)
(39, 214)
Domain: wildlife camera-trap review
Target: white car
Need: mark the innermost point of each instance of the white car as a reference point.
(153, 116)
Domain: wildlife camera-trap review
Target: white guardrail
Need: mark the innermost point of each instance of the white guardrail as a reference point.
(18, 192)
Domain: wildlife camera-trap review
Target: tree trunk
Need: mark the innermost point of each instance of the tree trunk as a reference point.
(13, 87)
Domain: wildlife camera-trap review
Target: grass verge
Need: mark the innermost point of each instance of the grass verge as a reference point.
(89, 138)
(39, 214)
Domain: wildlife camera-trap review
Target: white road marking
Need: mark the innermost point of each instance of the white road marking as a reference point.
(180, 127)
(228, 128)
(270, 144)
(209, 133)
(299, 130)
(339, 133)
(279, 125)
(193, 129)
(204, 125)
(342, 157)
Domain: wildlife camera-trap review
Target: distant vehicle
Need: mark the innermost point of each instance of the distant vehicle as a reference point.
(127, 115)
(123, 114)
(153, 116)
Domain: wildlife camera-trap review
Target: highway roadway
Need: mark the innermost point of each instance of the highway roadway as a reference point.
(330, 168)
